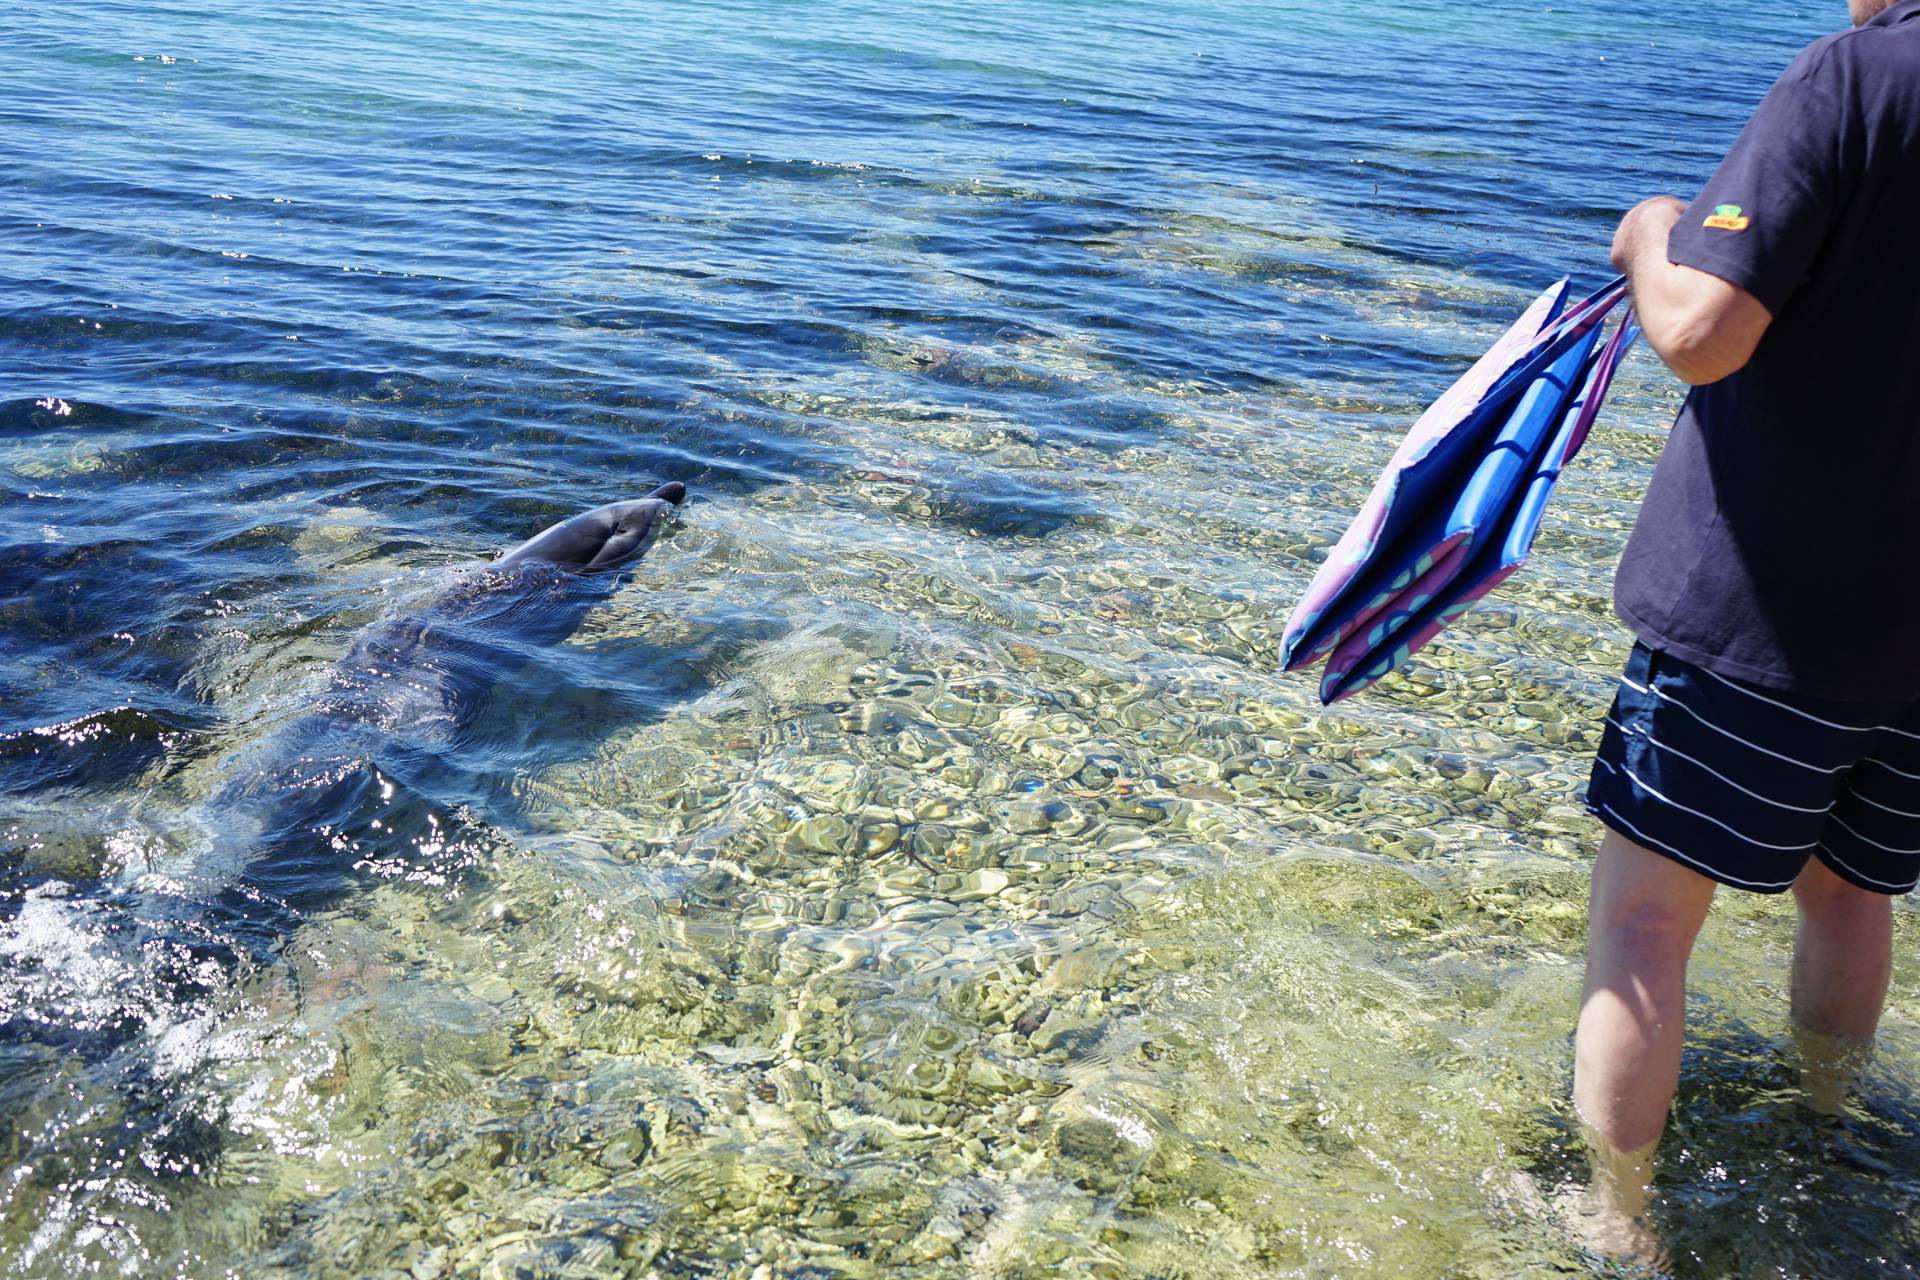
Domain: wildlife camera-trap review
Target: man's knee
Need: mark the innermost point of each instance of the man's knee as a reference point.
(1823, 895)
(1651, 929)
(1644, 904)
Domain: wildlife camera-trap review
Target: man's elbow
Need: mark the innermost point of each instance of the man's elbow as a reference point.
(1697, 361)
(1713, 337)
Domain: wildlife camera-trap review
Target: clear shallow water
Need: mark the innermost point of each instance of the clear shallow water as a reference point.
(918, 866)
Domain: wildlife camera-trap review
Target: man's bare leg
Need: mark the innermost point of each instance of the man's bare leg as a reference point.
(1643, 915)
(1842, 963)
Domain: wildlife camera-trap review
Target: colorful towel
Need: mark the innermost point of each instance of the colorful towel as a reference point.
(1456, 509)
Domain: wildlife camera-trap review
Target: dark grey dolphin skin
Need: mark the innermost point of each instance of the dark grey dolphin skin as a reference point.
(603, 538)
(296, 804)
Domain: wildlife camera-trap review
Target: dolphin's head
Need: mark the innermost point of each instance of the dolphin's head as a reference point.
(604, 537)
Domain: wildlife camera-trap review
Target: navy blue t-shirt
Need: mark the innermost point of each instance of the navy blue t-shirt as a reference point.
(1780, 538)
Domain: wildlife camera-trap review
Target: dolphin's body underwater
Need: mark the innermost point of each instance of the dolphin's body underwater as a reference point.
(406, 689)
(295, 814)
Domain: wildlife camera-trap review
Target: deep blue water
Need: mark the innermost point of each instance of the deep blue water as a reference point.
(297, 301)
(470, 265)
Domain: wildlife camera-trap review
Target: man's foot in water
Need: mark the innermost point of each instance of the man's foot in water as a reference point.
(1611, 1215)
(1595, 1222)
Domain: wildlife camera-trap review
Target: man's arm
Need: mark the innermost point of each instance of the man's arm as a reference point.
(1702, 326)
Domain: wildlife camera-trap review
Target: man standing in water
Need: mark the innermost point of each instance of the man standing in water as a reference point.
(1766, 734)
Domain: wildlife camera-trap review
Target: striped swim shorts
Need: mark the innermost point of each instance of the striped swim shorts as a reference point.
(1744, 784)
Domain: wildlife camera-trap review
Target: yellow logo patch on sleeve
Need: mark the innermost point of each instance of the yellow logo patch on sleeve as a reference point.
(1727, 217)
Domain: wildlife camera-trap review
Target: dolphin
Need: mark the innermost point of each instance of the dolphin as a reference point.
(293, 808)
(292, 817)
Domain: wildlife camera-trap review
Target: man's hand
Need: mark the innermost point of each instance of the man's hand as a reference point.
(1703, 327)
(1645, 225)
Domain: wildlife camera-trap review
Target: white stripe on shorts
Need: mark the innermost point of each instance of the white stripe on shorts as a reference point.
(1788, 706)
(1667, 697)
(1714, 873)
(1700, 813)
(1855, 793)
(1895, 888)
(1890, 769)
(1653, 741)
(1848, 827)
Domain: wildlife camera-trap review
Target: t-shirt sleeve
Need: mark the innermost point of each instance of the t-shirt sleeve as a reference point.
(1767, 211)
